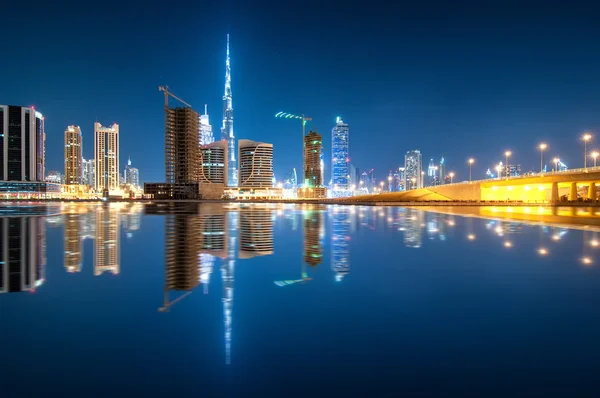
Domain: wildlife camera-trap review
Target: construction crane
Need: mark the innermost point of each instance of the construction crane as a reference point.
(165, 89)
(284, 115)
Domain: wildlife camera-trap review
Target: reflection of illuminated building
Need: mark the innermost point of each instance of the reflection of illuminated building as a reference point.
(313, 250)
(132, 220)
(73, 242)
(22, 260)
(412, 228)
(340, 236)
(106, 246)
(213, 239)
(182, 252)
(256, 232)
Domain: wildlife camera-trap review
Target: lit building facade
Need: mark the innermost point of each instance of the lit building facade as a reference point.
(227, 129)
(340, 157)
(89, 172)
(412, 170)
(73, 155)
(131, 175)
(106, 156)
(206, 133)
(313, 154)
(256, 164)
(214, 162)
(22, 144)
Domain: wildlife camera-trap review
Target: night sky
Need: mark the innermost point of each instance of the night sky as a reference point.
(460, 79)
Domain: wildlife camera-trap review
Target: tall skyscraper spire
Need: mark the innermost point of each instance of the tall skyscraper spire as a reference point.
(227, 129)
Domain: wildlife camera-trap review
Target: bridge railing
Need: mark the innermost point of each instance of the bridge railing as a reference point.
(529, 175)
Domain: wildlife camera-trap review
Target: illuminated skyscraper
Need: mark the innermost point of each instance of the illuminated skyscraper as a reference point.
(214, 163)
(313, 155)
(89, 171)
(73, 157)
(106, 155)
(206, 133)
(22, 260)
(22, 144)
(107, 242)
(256, 164)
(340, 158)
(412, 170)
(227, 129)
(131, 174)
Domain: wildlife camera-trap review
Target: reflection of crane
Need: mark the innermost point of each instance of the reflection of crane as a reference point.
(304, 119)
(167, 93)
(169, 303)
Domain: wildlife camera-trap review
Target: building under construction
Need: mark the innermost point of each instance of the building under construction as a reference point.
(183, 157)
(182, 149)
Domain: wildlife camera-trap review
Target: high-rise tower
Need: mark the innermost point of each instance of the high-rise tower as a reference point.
(227, 129)
(106, 156)
(73, 158)
(206, 134)
(340, 172)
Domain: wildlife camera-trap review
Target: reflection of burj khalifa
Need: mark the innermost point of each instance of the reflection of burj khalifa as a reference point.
(227, 278)
(227, 129)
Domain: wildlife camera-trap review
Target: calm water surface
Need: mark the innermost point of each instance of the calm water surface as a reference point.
(287, 300)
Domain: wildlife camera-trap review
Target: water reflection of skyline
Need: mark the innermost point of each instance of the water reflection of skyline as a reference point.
(201, 240)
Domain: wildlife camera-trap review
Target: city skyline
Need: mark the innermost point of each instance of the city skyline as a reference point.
(439, 106)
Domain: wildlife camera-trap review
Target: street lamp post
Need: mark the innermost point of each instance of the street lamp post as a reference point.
(381, 184)
(451, 174)
(586, 138)
(390, 183)
(471, 161)
(595, 155)
(507, 154)
(414, 180)
(542, 147)
(499, 170)
(556, 160)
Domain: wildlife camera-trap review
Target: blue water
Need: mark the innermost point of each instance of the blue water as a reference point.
(286, 300)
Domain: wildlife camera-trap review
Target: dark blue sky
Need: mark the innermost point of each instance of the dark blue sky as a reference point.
(461, 80)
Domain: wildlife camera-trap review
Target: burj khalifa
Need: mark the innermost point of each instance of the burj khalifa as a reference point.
(227, 129)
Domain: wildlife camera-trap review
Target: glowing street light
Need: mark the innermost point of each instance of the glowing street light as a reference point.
(471, 161)
(556, 160)
(451, 174)
(507, 154)
(381, 184)
(586, 137)
(498, 170)
(595, 155)
(542, 147)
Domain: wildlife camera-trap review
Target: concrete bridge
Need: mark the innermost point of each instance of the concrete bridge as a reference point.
(553, 187)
